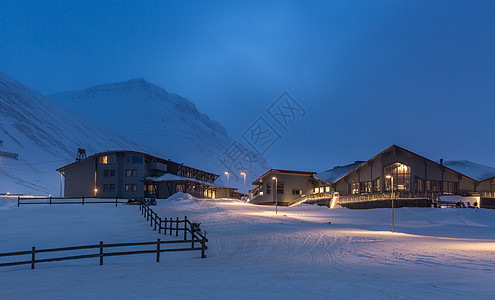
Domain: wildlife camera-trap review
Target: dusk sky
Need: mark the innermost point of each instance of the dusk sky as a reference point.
(419, 74)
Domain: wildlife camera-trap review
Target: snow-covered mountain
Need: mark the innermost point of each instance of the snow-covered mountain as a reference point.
(167, 123)
(46, 135)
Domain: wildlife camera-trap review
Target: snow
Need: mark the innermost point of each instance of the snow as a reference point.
(474, 170)
(336, 173)
(171, 177)
(168, 123)
(253, 253)
(46, 135)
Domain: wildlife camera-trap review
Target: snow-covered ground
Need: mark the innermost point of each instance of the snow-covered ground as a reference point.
(253, 253)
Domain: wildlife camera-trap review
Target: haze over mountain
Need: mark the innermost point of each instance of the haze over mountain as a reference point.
(167, 123)
(46, 135)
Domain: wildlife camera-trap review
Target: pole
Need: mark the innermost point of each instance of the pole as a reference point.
(276, 199)
(244, 184)
(392, 178)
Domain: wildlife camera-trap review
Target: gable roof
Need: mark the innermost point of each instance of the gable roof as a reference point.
(282, 171)
(474, 170)
(338, 172)
(403, 149)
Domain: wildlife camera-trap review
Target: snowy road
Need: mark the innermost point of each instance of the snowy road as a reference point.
(253, 253)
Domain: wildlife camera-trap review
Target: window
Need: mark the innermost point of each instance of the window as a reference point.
(419, 184)
(450, 187)
(130, 173)
(280, 188)
(134, 159)
(131, 187)
(107, 159)
(365, 187)
(433, 186)
(149, 188)
(180, 188)
(112, 188)
(108, 173)
(354, 188)
(327, 189)
(268, 188)
(376, 185)
(296, 192)
(401, 174)
(105, 187)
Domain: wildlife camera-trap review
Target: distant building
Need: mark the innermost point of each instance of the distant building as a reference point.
(131, 174)
(286, 187)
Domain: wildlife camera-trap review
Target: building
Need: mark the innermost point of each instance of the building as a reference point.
(416, 180)
(285, 187)
(131, 174)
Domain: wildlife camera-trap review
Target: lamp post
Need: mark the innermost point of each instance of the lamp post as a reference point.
(275, 191)
(228, 186)
(244, 174)
(392, 198)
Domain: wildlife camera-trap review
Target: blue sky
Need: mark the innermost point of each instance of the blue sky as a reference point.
(419, 74)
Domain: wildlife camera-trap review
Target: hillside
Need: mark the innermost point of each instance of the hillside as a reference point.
(46, 135)
(167, 123)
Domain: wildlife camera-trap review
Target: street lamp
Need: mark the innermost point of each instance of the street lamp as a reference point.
(276, 200)
(392, 198)
(244, 174)
(228, 186)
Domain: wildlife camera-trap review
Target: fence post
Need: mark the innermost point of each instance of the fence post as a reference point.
(151, 217)
(33, 251)
(83, 200)
(101, 253)
(50, 199)
(158, 250)
(171, 225)
(177, 227)
(18, 201)
(159, 225)
(203, 248)
(165, 226)
(147, 214)
(185, 228)
(116, 201)
(192, 235)
(156, 217)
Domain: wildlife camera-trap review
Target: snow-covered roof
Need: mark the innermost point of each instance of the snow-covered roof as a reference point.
(172, 177)
(336, 173)
(474, 170)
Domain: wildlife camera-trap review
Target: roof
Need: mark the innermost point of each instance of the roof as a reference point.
(94, 156)
(403, 149)
(283, 171)
(474, 170)
(173, 177)
(338, 172)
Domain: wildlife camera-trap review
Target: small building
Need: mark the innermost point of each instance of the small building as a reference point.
(285, 187)
(131, 174)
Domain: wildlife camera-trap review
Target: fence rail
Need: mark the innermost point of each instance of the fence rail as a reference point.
(68, 200)
(101, 253)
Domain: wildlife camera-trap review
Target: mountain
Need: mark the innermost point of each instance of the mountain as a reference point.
(167, 123)
(45, 135)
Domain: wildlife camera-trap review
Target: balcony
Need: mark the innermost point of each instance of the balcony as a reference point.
(156, 166)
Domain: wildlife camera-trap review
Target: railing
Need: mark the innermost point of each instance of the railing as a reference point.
(488, 195)
(383, 196)
(309, 197)
(68, 200)
(172, 226)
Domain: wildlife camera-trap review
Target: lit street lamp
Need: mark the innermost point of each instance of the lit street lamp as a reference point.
(244, 174)
(392, 197)
(275, 190)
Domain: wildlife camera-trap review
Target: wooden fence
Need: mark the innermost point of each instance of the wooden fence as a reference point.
(68, 200)
(171, 226)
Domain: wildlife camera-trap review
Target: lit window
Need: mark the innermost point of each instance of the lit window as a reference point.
(327, 189)
(131, 173)
(107, 159)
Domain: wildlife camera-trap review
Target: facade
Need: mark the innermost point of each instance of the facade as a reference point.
(287, 188)
(411, 177)
(131, 174)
